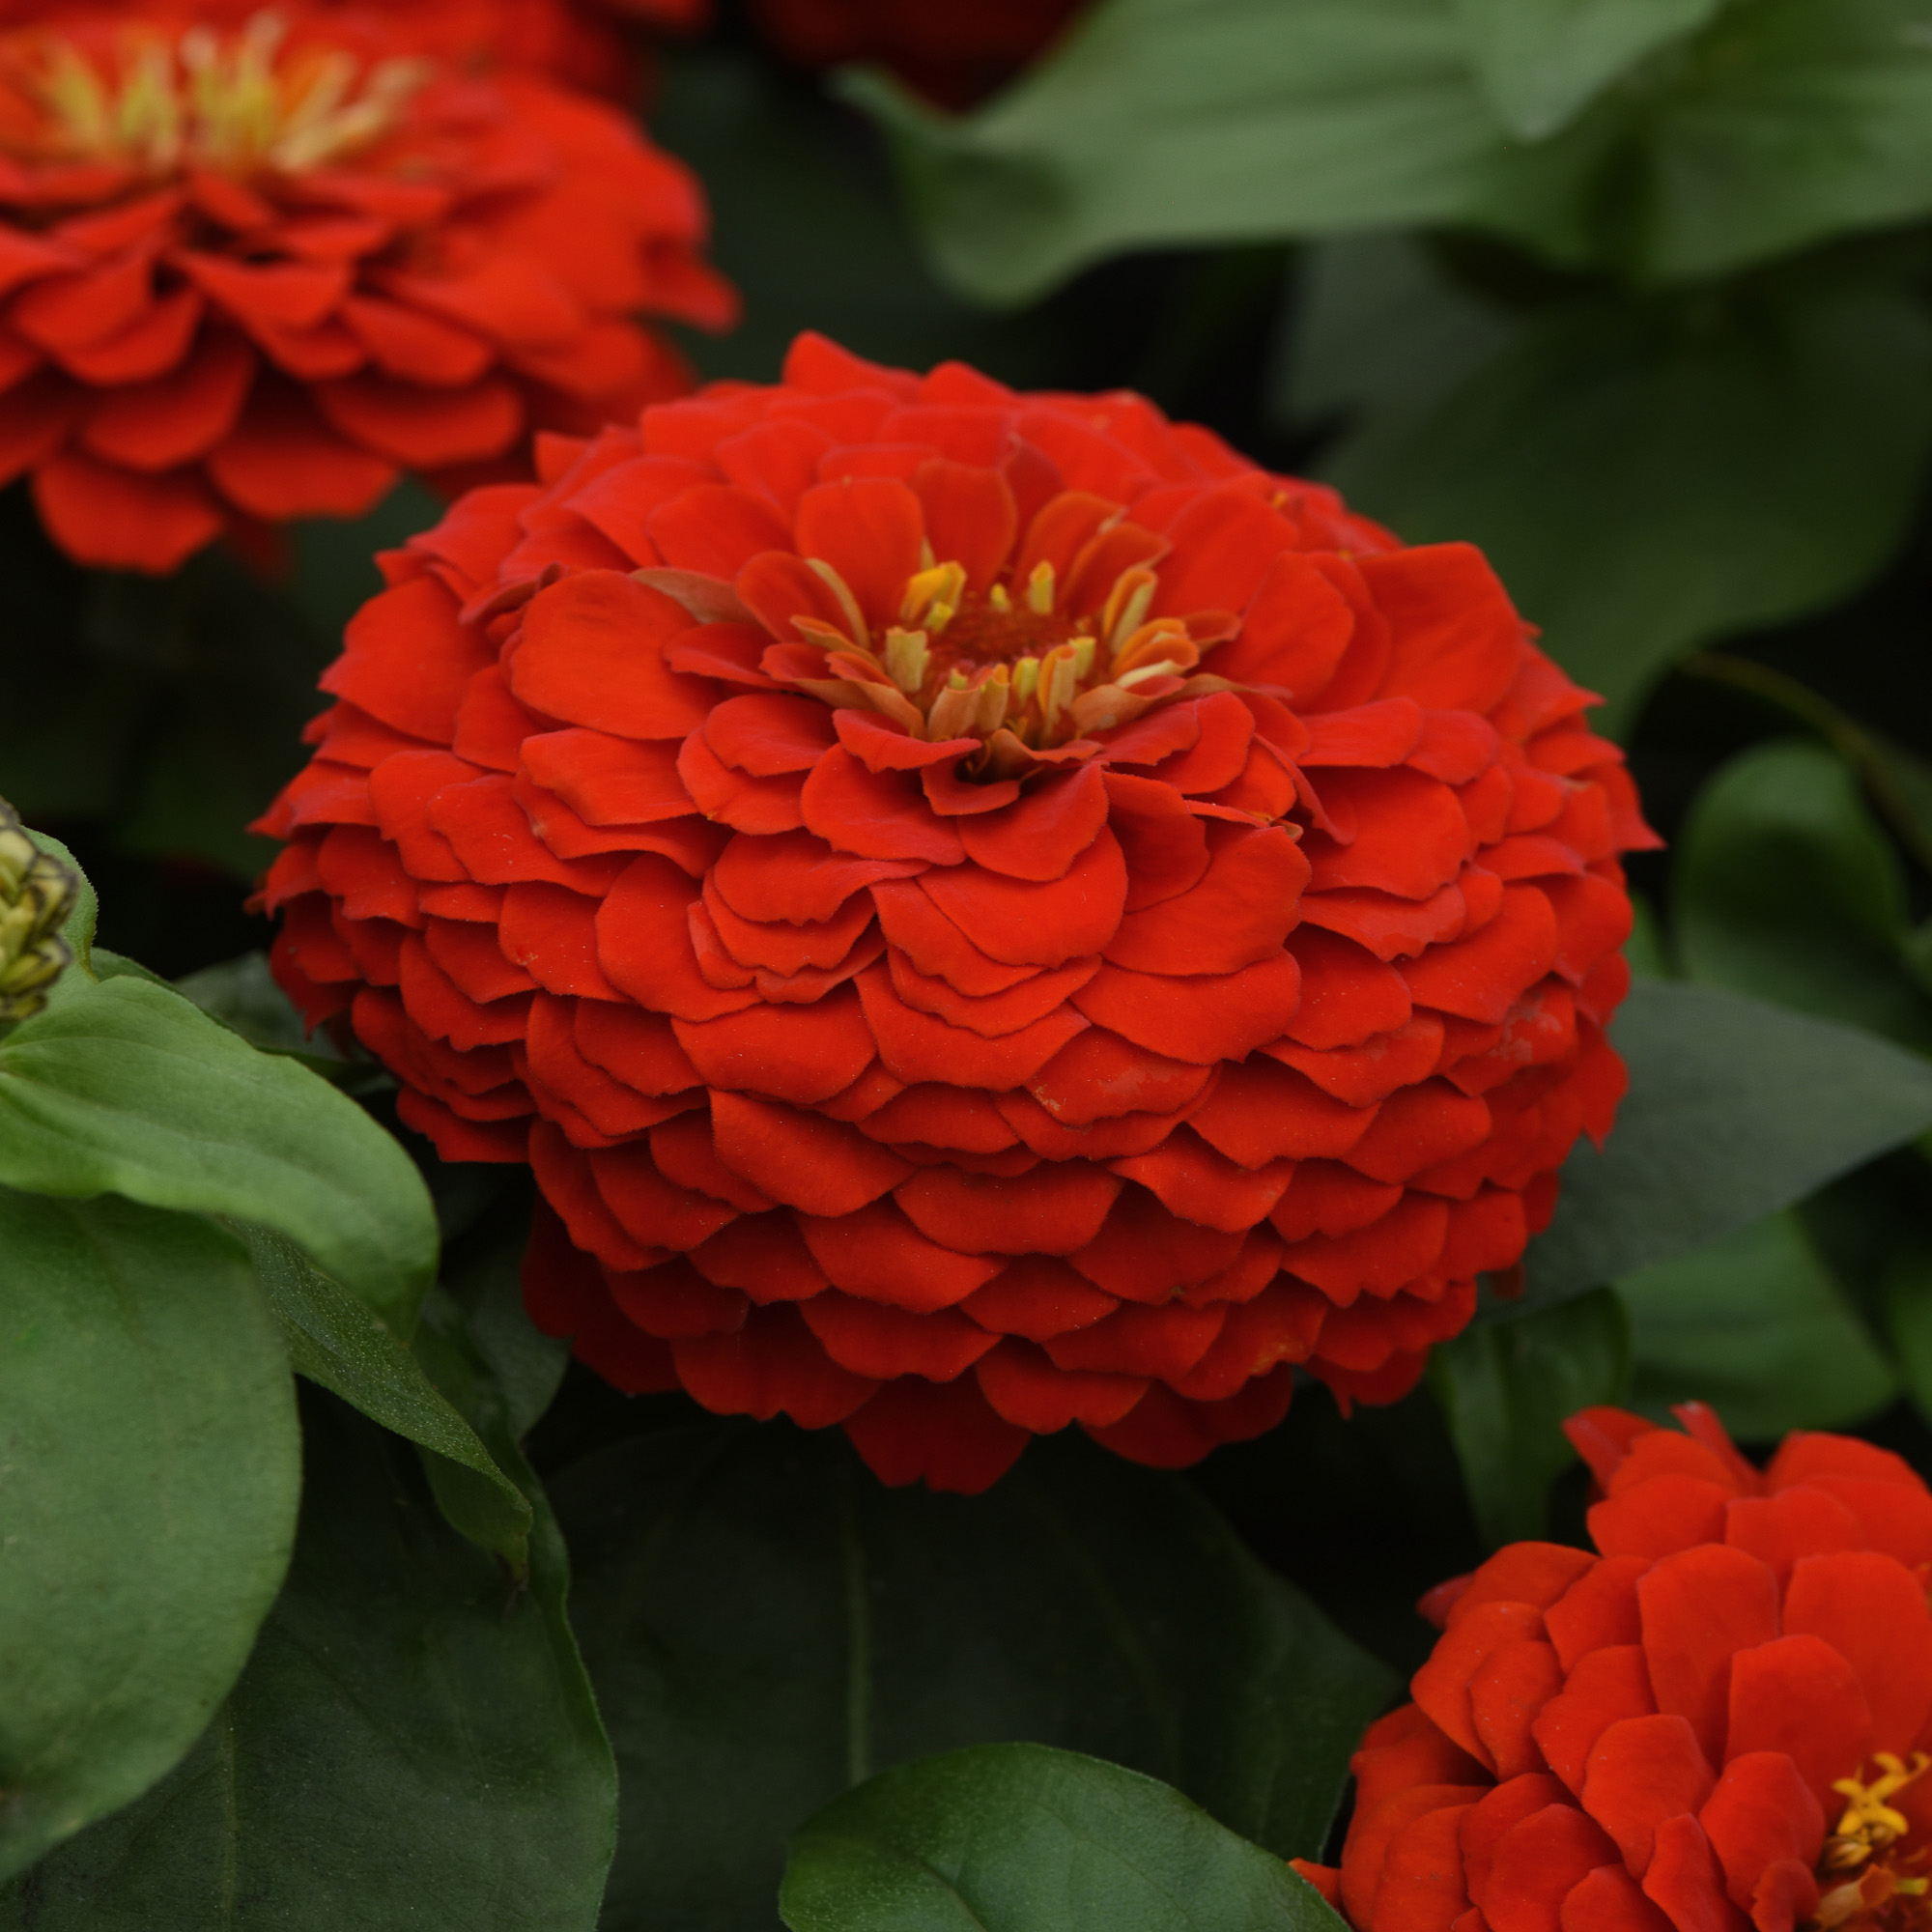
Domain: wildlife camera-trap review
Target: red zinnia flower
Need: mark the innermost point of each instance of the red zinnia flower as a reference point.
(983, 911)
(253, 272)
(952, 54)
(1720, 1719)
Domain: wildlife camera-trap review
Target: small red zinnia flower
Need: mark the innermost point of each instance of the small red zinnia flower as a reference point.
(1719, 1721)
(985, 910)
(253, 272)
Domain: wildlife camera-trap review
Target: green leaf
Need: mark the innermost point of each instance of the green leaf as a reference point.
(242, 994)
(1907, 1290)
(483, 1274)
(1506, 1385)
(1015, 1838)
(337, 1340)
(1755, 1326)
(1785, 888)
(149, 1474)
(1647, 475)
(1160, 122)
(1735, 1110)
(411, 1743)
(126, 1087)
(1539, 61)
(765, 1625)
(1898, 780)
(1793, 120)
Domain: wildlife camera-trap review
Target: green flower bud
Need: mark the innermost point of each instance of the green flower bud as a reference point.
(37, 894)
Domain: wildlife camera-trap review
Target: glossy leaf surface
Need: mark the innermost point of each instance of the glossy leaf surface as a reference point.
(1020, 1839)
(766, 1625)
(149, 1473)
(411, 1743)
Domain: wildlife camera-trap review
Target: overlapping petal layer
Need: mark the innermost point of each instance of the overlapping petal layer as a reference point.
(254, 268)
(1717, 1721)
(983, 911)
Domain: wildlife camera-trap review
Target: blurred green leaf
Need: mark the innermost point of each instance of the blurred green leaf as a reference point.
(1785, 888)
(1755, 1326)
(336, 1339)
(1787, 122)
(1898, 780)
(1539, 61)
(1191, 122)
(1735, 1110)
(150, 1467)
(1506, 1385)
(482, 1276)
(765, 1625)
(1907, 1292)
(1646, 475)
(411, 1743)
(126, 1087)
(1015, 1838)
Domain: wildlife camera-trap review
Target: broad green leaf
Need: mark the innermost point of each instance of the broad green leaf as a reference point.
(1793, 120)
(338, 1340)
(1015, 1838)
(1649, 473)
(1539, 61)
(1735, 1110)
(242, 993)
(766, 1625)
(1907, 1289)
(1160, 122)
(1506, 1386)
(149, 1474)
(126, 1088)
(482, 1274)
(1785, 888)
(1755, 1326)
(411, 1743)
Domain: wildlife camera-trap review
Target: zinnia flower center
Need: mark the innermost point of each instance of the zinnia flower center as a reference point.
(1014, 663)
(236, 103)
(1875, 1868)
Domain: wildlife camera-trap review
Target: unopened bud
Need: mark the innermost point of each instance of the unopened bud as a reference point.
(37, 894)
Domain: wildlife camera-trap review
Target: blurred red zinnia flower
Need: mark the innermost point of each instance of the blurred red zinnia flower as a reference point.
(577, 40)
(1719, 1721)
(253, 272)
(952, 54)
(985, 910)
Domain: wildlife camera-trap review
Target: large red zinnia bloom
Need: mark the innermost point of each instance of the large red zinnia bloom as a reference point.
(985, 910)
(1719, 1721)
(253, 272)
(953, 54)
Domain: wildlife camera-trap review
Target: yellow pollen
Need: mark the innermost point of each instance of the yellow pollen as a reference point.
(235, 102)
(932, 597)
(1869, 1824)
(1039, 590)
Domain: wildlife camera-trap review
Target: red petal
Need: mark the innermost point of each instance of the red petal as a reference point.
(1347, 995)
(644, 944)
(1761, 1812)
(1685, 1879)
(1374, 1830)
(766, 734)
(1423, 1889)
(1796, 1524)
(608, 780)
(971, 517)
(804, 1054)
(1044, 831)
(1098, 1075)
(1144, 1252)
(1037, 1296)
(1606, 1687)
(1167, 1433)
(1670, 1514)
(945, 1432)
(1024, 1386)
(177, 416)
(1641, 1771)
(1484, 1824)
(1872, 1611)
(1699, 1609)
(651, 1207)
(1383, 733)
(872, 1338)
(552, 933)
(636, 1047)
(869, 529)
(116, 521)
(675, 1300)
(1164, 844)
(773, 1363)
(682, 1150)
(1198, 1184)
(1442, 1687)
(1608, 1900)
(1417, 1127)
(716, 528)
(795, 876)
(1138, 1340)
(1202, 1018)
(1021, 923)
(280, 461)
(1537, 1864)
(1238, 914)
(997, 1014)
(918, 1046)
(408, 660)
(423, 428)
(1400, 1248)
(875, 815)
(1053, 1210)
(1506, 1694)
(763, 1254)
(1798, 1695)
(877, 1253)
(1361, 1075)
(1457, 641)
(804, 1161)
(1482, 976)
(592, 653)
